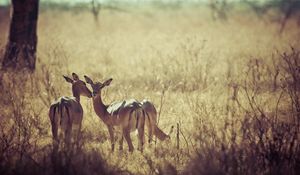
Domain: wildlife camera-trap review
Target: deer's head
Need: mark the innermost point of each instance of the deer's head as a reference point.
(78, 86)
(97, 86)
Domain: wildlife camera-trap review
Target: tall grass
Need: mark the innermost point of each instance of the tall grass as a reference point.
(257, 136)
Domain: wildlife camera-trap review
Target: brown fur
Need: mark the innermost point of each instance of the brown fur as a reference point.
(67, 111)
(130, 116)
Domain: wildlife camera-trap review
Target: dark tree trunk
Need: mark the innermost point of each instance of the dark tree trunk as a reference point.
(21, 47)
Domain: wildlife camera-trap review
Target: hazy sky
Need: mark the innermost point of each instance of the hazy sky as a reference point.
(75, 1)
(2, 2)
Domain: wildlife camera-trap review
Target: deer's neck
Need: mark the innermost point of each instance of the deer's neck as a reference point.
(76, 94)
(100, 108)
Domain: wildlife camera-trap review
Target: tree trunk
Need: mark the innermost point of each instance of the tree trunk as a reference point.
(21, 46)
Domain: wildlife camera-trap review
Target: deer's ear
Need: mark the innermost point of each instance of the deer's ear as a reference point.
(88, 79)
(75, 77)
(107, 82)
(69, 80)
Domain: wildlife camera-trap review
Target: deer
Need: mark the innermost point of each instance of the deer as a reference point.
(66, 113)
(110, 114)
(127, 115)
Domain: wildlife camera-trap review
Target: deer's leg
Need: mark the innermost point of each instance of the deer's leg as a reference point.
(68, 136)
(121, 141)
(111, 135)
(150, 128)
(141, 138)
(141, 130)
(55, 136)
(78, 135)
(54, 125)
(126, 134)
(54, 128)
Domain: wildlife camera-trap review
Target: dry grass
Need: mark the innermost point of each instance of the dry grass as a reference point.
(184, 62)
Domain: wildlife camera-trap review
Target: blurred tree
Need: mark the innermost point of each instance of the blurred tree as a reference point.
(289, 8)
(286, 8)
(96, 6)
(22, 41)
(259, 9)
(219, 9)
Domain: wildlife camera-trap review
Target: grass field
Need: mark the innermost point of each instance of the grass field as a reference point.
(227, 87)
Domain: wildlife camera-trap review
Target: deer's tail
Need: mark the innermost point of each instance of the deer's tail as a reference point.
(140, 116)
(63, 106)
(152, 126)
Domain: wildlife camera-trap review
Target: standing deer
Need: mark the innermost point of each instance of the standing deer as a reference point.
(67, 113)
(128, 115)
(112, 111)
